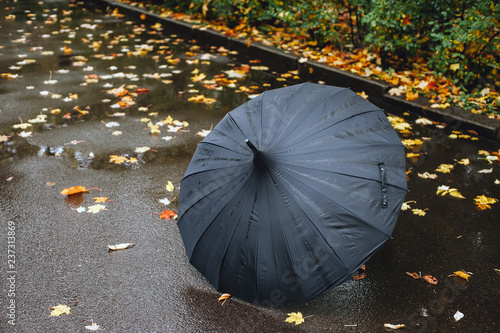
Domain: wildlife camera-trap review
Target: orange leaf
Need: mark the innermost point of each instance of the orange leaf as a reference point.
(411, 96)
(74, 190)
(223, 298)
(463, 275)
(413, 275)
(167, 214)
(359, 277)
(430, 279)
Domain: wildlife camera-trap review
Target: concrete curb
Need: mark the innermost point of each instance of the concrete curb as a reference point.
(282, 61)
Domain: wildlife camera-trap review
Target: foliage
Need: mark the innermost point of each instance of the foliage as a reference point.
(459, 37)
(457, 40)
(468, 47)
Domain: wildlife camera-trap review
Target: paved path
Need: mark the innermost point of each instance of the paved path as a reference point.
(63, 63)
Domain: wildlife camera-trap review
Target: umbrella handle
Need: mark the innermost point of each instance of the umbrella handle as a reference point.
(383, 184)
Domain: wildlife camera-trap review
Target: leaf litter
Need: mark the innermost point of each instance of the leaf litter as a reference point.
(126, 98)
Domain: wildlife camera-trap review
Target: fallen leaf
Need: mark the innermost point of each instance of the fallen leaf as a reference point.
(118, 159)
(142, 149)
(363, 94)
(486, 171)
(423, 121)
(164, 201)
(169, 187)
(21, 126)
(76, 190)
(100, 199)
(406, 206)
(445, 168)
(223, 298)
(411, 96)
(81, 209)
(111, 124)
(203, 133)
(121, 246)
(394, 327)
(427, 175)
(413, 275)
(430, 279)
(444, 190)
(462, 274)
(419, 212)
(295, 317)
(59, 310)
(483, 202)
(359, 277)
(464, 161)
(167, 214)
(458, 315)
(96, 208)
(93, 326)
(4, 138)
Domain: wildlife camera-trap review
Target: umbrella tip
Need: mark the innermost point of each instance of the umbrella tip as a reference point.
(252, 147)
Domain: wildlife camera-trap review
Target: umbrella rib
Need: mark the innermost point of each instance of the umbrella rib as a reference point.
(299, 124)
(287, 108)
(372, 129)
(306, 215)
(321, 194)
(207, 194)
(286, 239)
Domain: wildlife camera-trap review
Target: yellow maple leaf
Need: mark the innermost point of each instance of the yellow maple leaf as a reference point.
(168, 120)
(483, 202)
(170, 186)
(406, 205)
(142, 149)
(295, 317)
(445, 168)
(198, 77)
(117, 159)
(462, 274)
(59, 310)
(410, 96)
(419, 212)
(100, 199)
(411, 142)
(444, 190)
(21, 126)
(96, 208)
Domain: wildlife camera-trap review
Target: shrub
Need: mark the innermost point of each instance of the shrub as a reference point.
(468, 48)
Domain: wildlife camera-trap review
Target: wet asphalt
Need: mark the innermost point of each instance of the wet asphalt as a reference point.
(60, 255)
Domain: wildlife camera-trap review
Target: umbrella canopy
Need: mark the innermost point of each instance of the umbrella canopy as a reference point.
(291, 193)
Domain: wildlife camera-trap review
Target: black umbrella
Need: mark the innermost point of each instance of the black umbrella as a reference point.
(291, 193)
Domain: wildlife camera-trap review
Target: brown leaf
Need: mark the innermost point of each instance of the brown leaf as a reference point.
(359, 277)
(413, 275)
(430, 279)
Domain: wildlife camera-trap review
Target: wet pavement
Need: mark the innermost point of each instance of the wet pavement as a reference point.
(61, 100)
